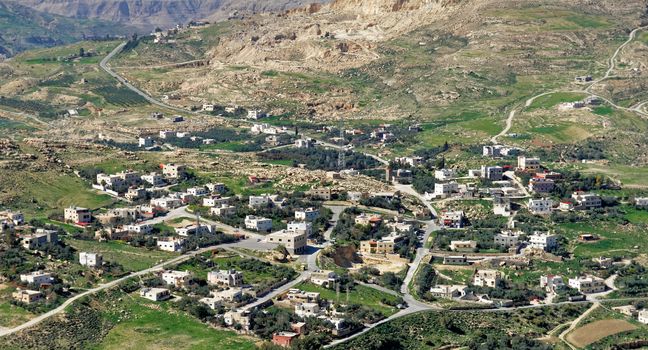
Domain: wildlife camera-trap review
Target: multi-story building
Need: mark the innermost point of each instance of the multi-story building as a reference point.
(39, 239)
(502, 206)
(176, 278)
(551, 282)
(528, 163)
(223, 210)
(507, 239)
(543, 241)
(214, 201)
(453, 219)
(15, 217)
(37, 277)
(540, 185)
(308, 214)
(174, 171)
(258, 223)
(540, 206)
(587, 285)
(587, 200)
(195, 229)
(231, 278)
(166, 202)
(197, 191)
(444, 190)
(139, 228)
(216, 187)
(642, 316)
(487, 278)
(373, 246)
(112, 182)
(294, 241)
(154, 179)
(300, 227)
(445, 174)
(27, 296)
(77, 215)
(90, 259)
(493, 173)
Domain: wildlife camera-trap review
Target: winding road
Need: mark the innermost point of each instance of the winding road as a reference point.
(638, 108)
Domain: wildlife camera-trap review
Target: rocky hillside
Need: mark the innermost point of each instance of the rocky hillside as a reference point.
(148, 14)
(22, 28)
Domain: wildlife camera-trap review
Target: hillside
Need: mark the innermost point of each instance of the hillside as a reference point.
(22, 28)
(149, 14)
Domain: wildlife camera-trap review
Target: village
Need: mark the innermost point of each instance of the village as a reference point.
(471, 239)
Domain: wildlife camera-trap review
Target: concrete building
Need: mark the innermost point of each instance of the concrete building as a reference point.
(170, 244)
(324, 278)
(540, 185)
(240, 317)
(284, 339)
(39, 239)
(155, 294)
(154, 179)
(308, 214)
(528, 163)
(197, 191)
(444, 190)
(223, 210)
(463, 246)
(214, 201)
(448, 291)
(15, 217)
(139, 228)
(487, 278)
(307, 309)
(551, 282)
(453, 219)
(216, 187)
(174, 171)
(368, 220)
(304, 143)
(166, 203)
(445, 174)
(27, 296)
(587, 285)
(493, 173)
(455, 260)
(543, 241)
(642, 316)
(77, 215)
(90, 259)
(37, 277)
(176, 278)
(195, 229)
(540, 206)
(300, 227)
(145, 142)
(502, 206)
(258, 223)
(295, 242)
(587, 200)
(259, 201)
(230, 278)
(373, 246)
(507, 239)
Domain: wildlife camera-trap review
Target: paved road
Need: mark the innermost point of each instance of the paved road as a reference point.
(68, 302)
(588, 90)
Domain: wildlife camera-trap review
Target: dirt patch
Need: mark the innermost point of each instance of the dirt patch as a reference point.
(595, 331)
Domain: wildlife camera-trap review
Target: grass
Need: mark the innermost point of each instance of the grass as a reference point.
(11, 315)
(360, 295)
(551, 100)
(132, 258)
(630, 176)
(595, 331)
(154, 326)
(614, 239)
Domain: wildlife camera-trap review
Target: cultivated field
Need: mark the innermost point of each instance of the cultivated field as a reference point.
(595, 331)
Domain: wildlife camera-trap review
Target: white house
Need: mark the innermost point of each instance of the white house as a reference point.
(587, 200)
(155, 294)
(215, 201)
(154, 179)
(543, 241)
(588, 284)
(216, 187)
(444, 190)
(258, 223)
(37, 277)
(176, 278)
(487, 278)
(197, 191)
(493, 173)
(551, 282)
(90, 259)
(170, 245)
(231, 278)
(301, 227)
(308, 214)
(642, 316)
(445, 174)
(540, 206)
(139, 228)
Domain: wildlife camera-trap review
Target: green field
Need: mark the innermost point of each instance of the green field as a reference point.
(132, 258)
(155, 326)
(615, 239)
(360, 295)
(551, 100)
(11, 315)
